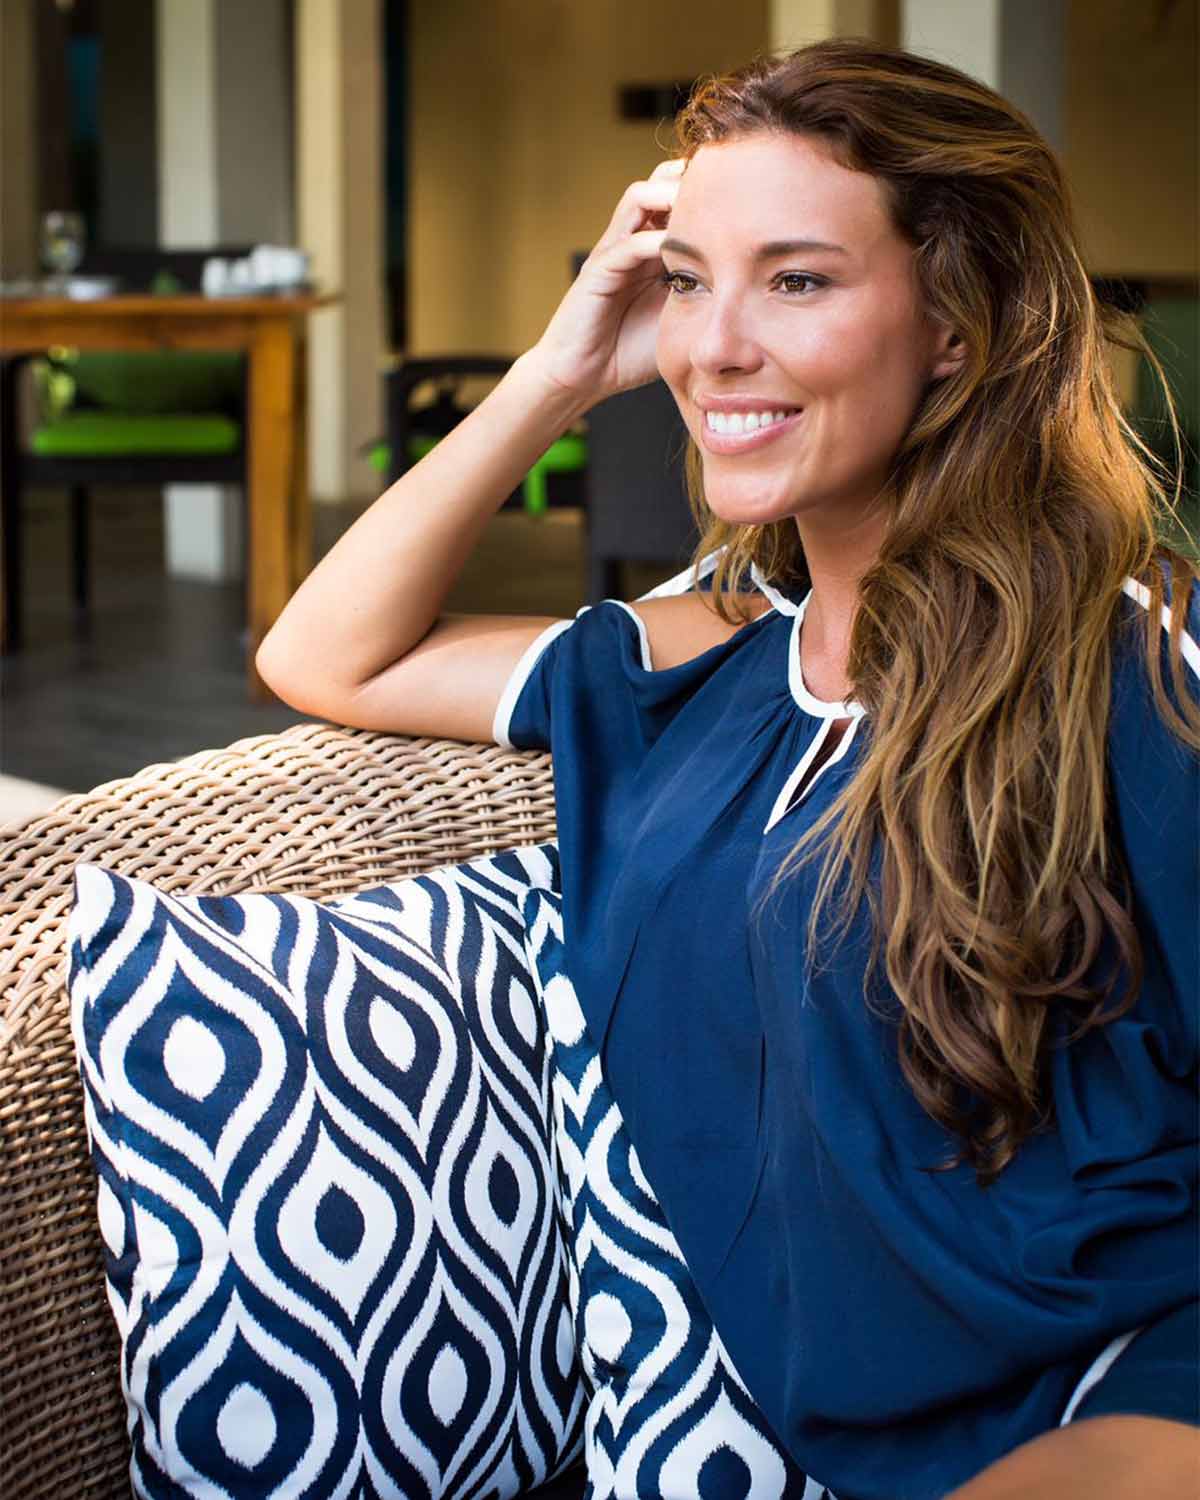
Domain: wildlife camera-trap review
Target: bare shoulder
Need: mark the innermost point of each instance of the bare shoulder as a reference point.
(682, 626)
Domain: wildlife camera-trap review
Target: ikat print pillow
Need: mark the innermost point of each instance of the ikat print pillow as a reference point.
(668, 1415)
(325, 1185)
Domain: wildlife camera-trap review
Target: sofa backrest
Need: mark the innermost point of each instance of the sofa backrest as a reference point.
(318, 811)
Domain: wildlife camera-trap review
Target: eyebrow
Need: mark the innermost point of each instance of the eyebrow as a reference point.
(772, 250)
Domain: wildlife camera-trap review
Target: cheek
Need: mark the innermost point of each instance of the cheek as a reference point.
(671, 349)
(864, 363)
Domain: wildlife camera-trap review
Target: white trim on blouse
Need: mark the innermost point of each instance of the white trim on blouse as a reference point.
(781, 602)
(1097, 1370)
(808, 701)
(643, 638)
(783, 803)
(1189, 650)
(682, 582)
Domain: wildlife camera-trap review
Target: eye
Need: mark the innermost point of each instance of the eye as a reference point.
(678, 282)
(791, 281)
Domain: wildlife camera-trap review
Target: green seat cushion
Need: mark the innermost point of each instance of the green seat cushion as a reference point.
(101, 434)
(164, 381)
(566, 455)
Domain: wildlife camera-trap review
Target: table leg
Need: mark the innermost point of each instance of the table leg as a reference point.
(271, 419)
(302, 518)
(10, 508)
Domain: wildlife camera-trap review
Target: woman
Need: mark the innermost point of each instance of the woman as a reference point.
(880, 842)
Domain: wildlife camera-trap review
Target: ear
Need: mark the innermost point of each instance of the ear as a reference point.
(949, 353)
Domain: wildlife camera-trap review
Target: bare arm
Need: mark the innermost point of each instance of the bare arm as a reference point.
(361, 641)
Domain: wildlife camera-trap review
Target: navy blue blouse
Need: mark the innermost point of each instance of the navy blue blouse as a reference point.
(900, 1328)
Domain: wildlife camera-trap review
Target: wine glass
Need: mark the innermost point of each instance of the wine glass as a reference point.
(63, 239)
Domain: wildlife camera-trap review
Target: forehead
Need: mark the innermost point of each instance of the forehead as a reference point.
(769, 186)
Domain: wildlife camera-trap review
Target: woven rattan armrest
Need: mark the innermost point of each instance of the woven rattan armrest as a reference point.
(316, 811)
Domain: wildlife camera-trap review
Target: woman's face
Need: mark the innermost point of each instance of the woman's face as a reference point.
(759, 322)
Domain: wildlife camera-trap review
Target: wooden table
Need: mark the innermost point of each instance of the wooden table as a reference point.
(270, 331)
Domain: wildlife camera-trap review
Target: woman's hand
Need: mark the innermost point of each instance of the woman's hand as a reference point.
(601, 338)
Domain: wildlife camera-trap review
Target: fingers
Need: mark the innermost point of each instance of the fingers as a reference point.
(638, 226)
(633, 250)
(643, 201)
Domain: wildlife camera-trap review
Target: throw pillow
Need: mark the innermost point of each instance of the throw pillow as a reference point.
(668, 1414)
(325, 1185)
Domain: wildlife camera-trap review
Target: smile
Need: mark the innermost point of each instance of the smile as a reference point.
(736, 431)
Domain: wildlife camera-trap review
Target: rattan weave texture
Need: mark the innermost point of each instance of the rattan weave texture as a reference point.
(316, 811)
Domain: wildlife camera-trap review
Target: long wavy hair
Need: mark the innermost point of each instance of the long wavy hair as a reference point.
(1018, 503)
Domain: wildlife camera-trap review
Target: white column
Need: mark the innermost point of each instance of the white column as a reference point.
(225, 177)
(187, 127)
(963, 33)
(203, 529)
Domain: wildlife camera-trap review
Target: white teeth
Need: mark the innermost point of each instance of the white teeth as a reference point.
(743, 422)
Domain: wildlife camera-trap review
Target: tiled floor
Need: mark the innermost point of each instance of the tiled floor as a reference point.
(158, 673)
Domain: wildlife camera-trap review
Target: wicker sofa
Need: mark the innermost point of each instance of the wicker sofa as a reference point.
(316, 811)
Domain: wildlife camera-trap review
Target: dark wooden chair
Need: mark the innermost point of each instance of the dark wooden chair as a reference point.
(412, 429)
(118, 449)
(637, 507)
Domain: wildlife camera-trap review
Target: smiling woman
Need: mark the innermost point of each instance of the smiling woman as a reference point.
(879, 827)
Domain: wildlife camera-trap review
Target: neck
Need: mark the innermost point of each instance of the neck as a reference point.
(837, 556)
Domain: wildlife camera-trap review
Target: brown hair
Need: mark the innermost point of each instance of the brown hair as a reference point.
(1020, 501)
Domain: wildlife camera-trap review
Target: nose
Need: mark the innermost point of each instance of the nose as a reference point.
(725, 342)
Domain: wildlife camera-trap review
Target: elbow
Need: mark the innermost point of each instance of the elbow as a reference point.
(274, 673)
(300, 686)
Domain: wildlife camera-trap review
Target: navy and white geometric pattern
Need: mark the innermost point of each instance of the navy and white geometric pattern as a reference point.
(326, 1187)
(669, 1416)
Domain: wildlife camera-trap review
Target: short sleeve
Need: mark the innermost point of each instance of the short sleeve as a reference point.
(522, 719)
(597, 667)
(586, 685)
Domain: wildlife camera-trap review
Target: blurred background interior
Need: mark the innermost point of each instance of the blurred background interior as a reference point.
(441, 165)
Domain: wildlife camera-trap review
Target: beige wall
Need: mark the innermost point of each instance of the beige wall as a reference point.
(516, 155)
(18, 114)
(791, 23)
(1132, 141)
(517, 158)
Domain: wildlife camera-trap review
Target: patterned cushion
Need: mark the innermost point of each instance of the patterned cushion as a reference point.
(668, 1415)
(325, 1185)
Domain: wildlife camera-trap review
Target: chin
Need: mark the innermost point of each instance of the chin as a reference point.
(748, 501)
